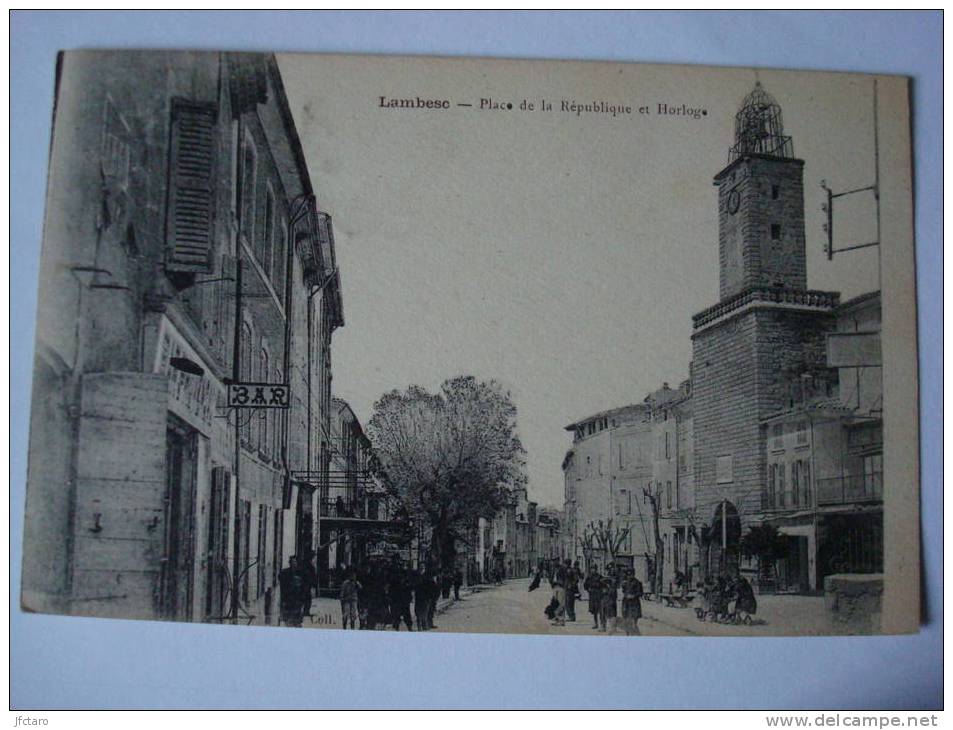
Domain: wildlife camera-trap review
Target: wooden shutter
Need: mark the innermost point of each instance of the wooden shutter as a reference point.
(191, 194)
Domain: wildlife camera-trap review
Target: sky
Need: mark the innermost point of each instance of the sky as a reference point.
(560, 254)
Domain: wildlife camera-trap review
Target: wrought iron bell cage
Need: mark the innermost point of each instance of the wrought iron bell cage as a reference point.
(759, 128)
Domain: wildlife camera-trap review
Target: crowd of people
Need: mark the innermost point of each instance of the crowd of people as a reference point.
(603, 593)
(726, 599)
(377, 596)
(380, 596)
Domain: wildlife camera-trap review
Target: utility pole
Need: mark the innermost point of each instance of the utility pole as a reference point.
(236, 377)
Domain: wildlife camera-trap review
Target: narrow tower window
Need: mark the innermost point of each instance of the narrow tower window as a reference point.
(775, 231)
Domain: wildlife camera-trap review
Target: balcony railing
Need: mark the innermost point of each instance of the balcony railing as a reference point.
(848, 489)
(786, 500)
(851, 488)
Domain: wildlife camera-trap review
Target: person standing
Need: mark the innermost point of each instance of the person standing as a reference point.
(593, 586)
(559, 580)
(457, 583)
(609, 597)
(746, 605)
(572, 587)
(400, 593)
(434, 585)
(348, 596)
(291, 583)
(631, 603)
(422, 600)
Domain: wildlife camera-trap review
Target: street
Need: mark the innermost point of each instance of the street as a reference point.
(511, 608)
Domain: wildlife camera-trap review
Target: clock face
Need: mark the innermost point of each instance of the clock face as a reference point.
(734, 202)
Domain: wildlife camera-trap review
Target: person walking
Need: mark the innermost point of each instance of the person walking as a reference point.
(593, 586)
(348, 596)
(631, 603)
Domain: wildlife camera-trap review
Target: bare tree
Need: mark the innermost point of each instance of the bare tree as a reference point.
(587, 543)
(655, 504)
(606, 537)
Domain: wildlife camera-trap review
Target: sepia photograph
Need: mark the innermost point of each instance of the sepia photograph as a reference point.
(413, 344)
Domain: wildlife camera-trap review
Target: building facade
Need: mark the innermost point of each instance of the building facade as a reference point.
(780, 422)
(549, 543)
(356, 514)
(607, 473)
(189, 253)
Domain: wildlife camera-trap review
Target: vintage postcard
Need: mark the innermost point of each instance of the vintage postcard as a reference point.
(474, 345)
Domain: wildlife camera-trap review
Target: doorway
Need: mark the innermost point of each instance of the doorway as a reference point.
(178, 564)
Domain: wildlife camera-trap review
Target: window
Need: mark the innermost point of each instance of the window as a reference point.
(247, 212)
(668, 494)
(276, 425)
(265, 249)
(782, 495)
(262, 532)
(279, 260)
(777, 436)
(795, 483)
(191, 187)
(276, 551)
(873, 473)
(775, 231)
(265, 416)
(621, 458)
(724, 469)
(806, 482)
(234, 155)
(245, 547)
(628, 502)
(775, 192)
(668, 446)
(245, 371)
(801, 432)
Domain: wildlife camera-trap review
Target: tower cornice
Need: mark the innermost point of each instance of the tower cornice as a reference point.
(804, 300)
(756, 156)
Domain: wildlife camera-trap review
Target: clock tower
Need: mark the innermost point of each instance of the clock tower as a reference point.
(766, 332)
(761, 203)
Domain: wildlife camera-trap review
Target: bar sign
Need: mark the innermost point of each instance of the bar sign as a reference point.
(258, 395)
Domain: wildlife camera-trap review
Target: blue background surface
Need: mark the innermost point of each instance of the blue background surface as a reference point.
(86, 663)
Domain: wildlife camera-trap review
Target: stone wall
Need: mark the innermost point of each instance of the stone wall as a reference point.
(770, 192)
(741, 370)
